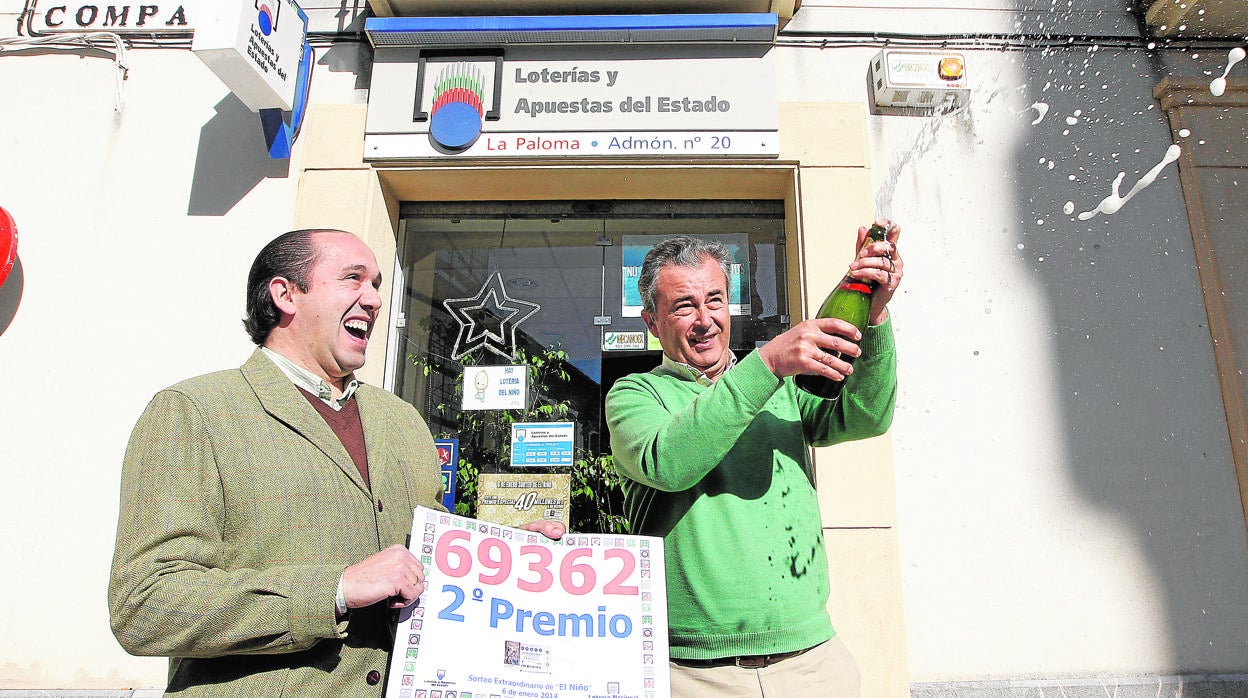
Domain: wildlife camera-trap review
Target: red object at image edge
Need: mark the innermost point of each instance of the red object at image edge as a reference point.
(8, 244)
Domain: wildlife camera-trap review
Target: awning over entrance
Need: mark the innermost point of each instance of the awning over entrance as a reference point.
(570, 29)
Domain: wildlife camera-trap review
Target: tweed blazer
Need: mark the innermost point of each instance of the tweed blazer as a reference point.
(240, 509)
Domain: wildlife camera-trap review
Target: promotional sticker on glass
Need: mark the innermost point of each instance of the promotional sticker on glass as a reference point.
(623, 341)
(448, 461)
(514, 499)
(541, 444)
(495, 387)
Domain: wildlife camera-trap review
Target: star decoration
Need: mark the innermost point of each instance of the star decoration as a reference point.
(476, 316)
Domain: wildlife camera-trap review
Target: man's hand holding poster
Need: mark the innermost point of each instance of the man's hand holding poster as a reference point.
(511, 614)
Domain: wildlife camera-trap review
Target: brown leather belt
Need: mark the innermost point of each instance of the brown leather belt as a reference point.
(749, 661)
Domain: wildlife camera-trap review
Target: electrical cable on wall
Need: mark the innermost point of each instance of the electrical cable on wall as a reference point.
(95, 40)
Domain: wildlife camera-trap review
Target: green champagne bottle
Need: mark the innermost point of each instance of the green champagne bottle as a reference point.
(849, 301)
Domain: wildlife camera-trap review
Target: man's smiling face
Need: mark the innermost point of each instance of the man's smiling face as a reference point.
(334, 317)
(691, 316)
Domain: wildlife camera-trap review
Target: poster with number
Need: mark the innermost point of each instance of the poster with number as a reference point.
(512, 614)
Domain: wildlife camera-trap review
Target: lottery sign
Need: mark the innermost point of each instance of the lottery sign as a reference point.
(511, 614)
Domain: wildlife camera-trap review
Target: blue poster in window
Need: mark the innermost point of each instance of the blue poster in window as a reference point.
(448, 459)
(636, 247)
(541, 444)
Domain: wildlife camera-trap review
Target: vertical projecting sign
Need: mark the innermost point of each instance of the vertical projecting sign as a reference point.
(258, 49)
(254, 47)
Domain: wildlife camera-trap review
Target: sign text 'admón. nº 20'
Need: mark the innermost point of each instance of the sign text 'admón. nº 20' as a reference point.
(534, 103)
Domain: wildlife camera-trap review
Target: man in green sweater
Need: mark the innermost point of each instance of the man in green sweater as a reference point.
(716, 454)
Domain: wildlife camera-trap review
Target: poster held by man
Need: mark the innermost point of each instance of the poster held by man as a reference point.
(583, 616)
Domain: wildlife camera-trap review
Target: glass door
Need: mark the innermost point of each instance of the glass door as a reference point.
(546, 285)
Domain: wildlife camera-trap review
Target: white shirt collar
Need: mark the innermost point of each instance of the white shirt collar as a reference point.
(694, 374)
(311, 382)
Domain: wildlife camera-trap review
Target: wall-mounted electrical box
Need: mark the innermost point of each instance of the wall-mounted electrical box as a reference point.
(923, 79)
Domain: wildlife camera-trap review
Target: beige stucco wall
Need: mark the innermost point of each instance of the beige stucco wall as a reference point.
(856, 488)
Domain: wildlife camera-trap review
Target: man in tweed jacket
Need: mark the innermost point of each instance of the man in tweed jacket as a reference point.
(259, 544)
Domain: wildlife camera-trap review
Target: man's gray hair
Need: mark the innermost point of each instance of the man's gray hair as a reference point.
(685, 251)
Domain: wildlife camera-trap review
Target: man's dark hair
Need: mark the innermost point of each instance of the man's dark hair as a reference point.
(685, 251)
(290, 255)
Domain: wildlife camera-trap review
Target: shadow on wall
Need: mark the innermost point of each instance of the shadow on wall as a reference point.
(11, 295)
(1132, 342)
(233, 157)
(232, 160)
(350, 57)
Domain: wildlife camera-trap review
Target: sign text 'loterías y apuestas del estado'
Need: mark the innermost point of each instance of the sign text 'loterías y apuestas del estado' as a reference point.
(588, 102)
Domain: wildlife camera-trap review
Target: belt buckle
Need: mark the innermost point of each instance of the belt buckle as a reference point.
(757, 661)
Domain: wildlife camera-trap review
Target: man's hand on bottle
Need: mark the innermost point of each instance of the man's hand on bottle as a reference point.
(804, 349)
(879, 262)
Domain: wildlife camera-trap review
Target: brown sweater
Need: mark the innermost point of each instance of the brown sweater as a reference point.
(347, 425)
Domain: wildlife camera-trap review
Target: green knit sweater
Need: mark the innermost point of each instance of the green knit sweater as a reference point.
(722, 473)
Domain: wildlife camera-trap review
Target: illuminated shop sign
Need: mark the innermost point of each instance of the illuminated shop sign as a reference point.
(599, 102)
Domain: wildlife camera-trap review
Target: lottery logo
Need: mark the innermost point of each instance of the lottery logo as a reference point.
(458, 109)
(266, 15)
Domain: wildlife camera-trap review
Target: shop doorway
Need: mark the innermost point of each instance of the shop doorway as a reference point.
(551, 285)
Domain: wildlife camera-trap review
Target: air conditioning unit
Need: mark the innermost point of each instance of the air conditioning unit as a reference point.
(923, 79)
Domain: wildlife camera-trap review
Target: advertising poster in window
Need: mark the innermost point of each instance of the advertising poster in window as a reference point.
(448, 461)
(636, 247)
(512, 614)
(514, 499)
(542, 444)
(495, 387)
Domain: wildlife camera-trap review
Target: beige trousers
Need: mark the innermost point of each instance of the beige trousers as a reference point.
(826, 671)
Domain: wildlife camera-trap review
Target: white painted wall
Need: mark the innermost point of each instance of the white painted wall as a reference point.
(1067, 499)
(136, 232)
